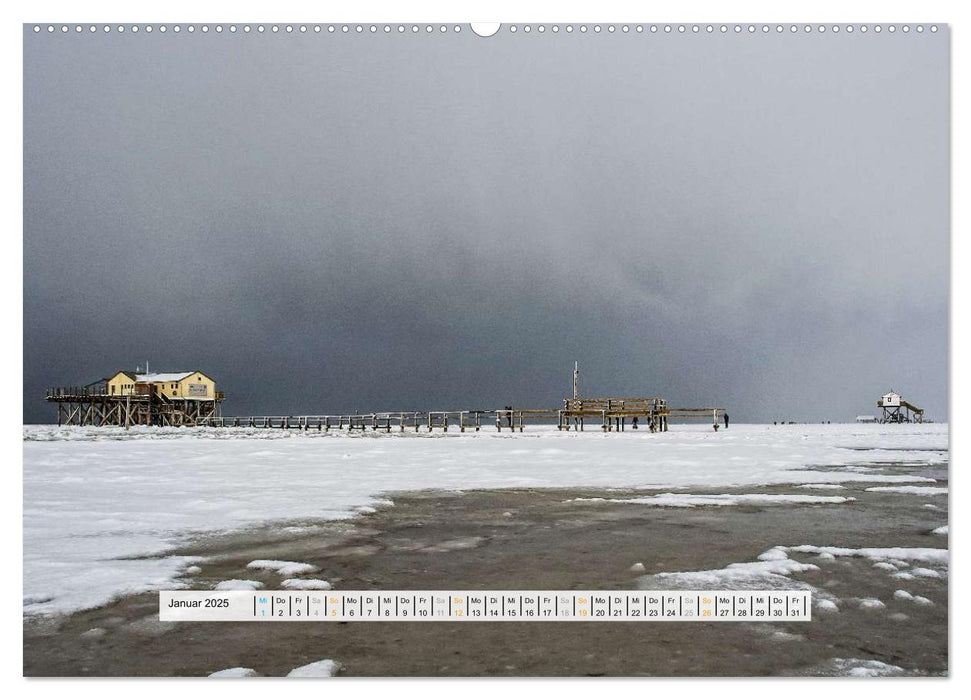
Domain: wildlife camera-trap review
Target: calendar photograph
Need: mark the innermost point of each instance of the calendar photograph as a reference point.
(463, 350)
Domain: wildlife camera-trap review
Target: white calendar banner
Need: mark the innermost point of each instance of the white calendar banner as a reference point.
(485, 606)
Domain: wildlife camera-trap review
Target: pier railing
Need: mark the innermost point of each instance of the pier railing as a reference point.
(139, 391)
(383, 421)
(616, 419)
(67, 392)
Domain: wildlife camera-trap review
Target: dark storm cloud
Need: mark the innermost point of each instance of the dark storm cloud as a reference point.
(329, 223)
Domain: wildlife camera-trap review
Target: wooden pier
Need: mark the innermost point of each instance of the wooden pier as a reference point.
(614, 414)
(190, 399)
(94, 405)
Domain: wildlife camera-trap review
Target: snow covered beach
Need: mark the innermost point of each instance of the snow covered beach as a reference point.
(103, 506)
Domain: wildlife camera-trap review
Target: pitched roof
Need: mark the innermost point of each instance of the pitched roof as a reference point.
(162, 377)
(142, 378)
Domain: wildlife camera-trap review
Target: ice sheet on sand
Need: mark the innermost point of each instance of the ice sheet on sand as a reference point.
(916, 490)
(773, 554)
(687, 500)
(907, 554)
(821, 486)
(236, 584)
(306, 584)
(867, 668)
(824, 605)
(284, 568)
(921, 572)
(871, 604)
(147, 490)
(374, 505)
(317, 669)
(774, 567)
(770, 571)
(908, 596)
(237, 672)
(942, 530)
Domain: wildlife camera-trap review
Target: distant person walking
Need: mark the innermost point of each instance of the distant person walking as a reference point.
(726, 420)
(633, 423)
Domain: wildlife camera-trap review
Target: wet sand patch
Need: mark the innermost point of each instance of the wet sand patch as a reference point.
(535, 539)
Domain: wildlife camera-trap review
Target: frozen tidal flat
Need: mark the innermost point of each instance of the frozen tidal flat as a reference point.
(102, 505)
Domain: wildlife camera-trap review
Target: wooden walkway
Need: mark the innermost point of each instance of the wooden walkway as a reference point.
(386, 421)
(609, 414)
(93, 406)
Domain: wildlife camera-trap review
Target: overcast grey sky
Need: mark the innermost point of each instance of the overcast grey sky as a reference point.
(330, 223)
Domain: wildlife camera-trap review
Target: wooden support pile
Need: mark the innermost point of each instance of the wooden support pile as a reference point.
(93, 406)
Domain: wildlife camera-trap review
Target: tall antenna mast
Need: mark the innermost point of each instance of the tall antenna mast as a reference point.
(576, 380)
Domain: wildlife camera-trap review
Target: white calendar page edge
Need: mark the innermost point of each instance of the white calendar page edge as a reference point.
(510, 11)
